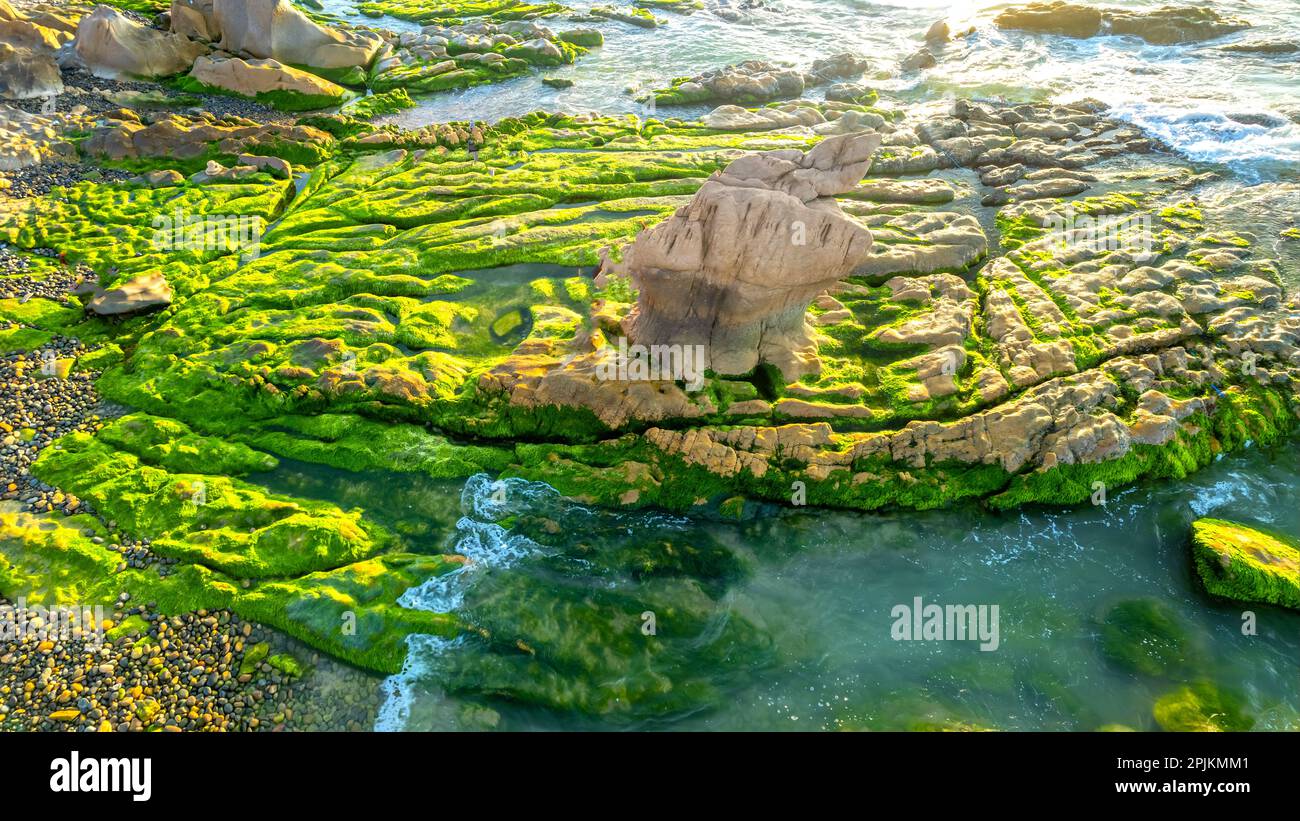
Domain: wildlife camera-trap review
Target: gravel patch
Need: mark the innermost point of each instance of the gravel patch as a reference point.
(204, 671)
(81, 88)
(39, 180)
(37, 408)
(16, 281)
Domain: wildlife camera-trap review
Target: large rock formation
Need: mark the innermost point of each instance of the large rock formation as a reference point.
(113, 45)
(275, 29)
(736, 268)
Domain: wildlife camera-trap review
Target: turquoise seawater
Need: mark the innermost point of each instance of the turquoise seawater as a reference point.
(797, 629)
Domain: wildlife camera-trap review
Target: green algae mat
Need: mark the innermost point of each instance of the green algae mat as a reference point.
(407, 301)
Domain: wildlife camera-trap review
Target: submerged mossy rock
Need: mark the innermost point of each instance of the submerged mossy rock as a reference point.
(1202, 707)
(1146, 636)
(1246, 564)
(568, 647)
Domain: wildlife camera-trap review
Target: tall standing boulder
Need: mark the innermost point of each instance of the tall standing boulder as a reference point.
(113, 45)
(736, 268)
(194, 18)
(274, 29)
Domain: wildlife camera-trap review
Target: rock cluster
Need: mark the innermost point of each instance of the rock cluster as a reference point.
(753, 81)
(205, 671)
(125, 135)
(28, 139)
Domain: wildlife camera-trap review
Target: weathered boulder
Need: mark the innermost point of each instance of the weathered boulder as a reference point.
(194, 18)
(275, 29)
(842, 66)
(26, 74)
(268, 80)
(113, 45)
(140, 294)
(735, 270)
(923, 58)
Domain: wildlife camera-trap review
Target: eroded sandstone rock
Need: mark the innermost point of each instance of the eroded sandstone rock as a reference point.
(735, 269)
(1163, 26)
(113, 45)
(140, 294)
(275, 29)
(295, 89)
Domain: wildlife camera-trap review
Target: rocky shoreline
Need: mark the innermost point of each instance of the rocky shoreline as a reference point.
(992, 303)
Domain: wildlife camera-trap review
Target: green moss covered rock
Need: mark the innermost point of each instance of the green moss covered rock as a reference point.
(1245, 564)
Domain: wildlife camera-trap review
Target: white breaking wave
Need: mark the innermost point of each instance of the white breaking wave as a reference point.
(485, 544)
(1234, 490)
(1252, 141)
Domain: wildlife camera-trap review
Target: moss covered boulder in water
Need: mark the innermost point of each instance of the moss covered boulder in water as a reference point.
(1245, 564)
